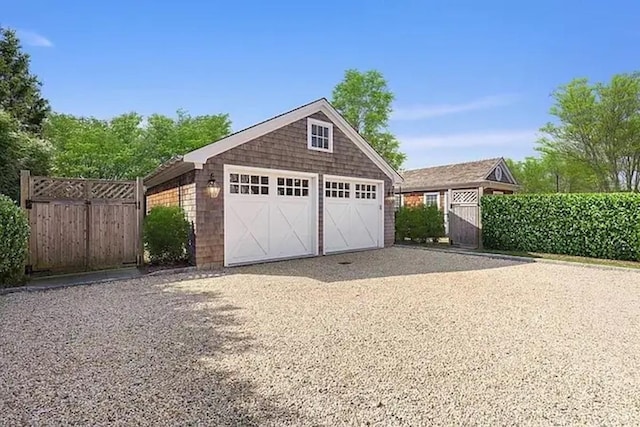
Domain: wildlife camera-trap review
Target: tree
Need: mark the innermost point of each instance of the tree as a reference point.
(19, 89)
(550, 173)
(166, 137)
(598, 129)
(126, 147)
(364, 99)
(19, 150)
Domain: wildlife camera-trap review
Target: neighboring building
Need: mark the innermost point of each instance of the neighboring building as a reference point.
(303, 183)
(466, 181)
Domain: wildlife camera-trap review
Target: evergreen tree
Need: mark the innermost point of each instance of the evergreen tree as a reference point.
(19, 89)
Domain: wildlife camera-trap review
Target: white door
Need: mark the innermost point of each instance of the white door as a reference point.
(353, 214)
(268, 214)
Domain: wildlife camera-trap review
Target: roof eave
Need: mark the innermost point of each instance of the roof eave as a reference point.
(201, 155)
(168, 171)
(456, 186)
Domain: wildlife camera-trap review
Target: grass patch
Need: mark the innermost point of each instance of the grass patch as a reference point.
(568, 258)
(557, 257)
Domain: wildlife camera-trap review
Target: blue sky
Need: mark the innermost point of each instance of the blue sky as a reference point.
(472, 79)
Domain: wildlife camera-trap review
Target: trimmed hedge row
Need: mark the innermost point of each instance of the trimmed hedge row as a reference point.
(419, 223)
(14, 235)
(591, 225)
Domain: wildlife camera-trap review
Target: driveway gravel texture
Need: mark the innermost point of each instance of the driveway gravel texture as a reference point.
(398, 336)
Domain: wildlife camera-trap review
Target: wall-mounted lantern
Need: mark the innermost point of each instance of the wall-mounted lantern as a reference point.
(390, 196)
(213, 188)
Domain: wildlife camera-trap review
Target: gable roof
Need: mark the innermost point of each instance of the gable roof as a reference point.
(200, 156)
(454, 175)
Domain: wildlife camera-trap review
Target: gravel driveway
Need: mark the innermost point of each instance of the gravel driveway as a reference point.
(397, 337)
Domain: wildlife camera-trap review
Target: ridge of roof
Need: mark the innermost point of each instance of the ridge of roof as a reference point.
(495, 160)
(451, 174)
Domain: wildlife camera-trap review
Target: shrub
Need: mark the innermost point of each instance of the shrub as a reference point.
(419, 223)
(591, 225)
(14, 236)
(166, 234)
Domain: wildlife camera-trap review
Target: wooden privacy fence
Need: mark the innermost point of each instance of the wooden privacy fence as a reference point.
(464, 218)
(82, 224)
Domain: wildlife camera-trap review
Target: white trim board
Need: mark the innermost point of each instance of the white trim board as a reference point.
(201, 155)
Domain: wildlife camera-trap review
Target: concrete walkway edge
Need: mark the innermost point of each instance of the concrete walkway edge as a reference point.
(90, 278)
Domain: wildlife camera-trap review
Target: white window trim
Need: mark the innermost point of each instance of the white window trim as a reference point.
(319, 123)
(499, 172)
(437, 194)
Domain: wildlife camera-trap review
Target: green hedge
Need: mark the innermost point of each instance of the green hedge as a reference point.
(14, 235)
(419, 223)
(166, 235)
(591, 225)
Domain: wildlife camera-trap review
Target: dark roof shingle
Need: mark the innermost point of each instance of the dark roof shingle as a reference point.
(446, 176)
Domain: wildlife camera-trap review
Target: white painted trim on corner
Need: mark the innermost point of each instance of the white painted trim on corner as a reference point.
(201, 155)
(382, 200)
(225, 248)
(317, 233)
(321, 123)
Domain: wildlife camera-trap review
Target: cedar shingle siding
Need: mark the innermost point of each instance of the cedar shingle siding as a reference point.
(180, 191)
(284, 148)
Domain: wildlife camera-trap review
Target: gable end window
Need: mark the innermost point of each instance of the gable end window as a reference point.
(319, 135)
(499, 173)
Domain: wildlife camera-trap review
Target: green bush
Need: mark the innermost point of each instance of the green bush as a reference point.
(166, 234)
(14, 237)
(591, 225)
(419, 223)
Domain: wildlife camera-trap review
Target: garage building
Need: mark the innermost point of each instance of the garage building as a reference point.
(303, 183)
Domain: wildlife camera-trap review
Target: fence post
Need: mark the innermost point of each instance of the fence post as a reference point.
(25, 194)
(89, 218)
(141, 209)
(24, 188)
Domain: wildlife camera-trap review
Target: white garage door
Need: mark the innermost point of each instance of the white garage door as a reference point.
(269, 214)
(353, 214)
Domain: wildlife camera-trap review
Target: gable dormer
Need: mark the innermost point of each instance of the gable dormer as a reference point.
(501, 173)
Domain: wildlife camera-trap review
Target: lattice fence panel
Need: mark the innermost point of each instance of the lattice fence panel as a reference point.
(464, 196)
(113, 190)
(72, 233)
(55, 188)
